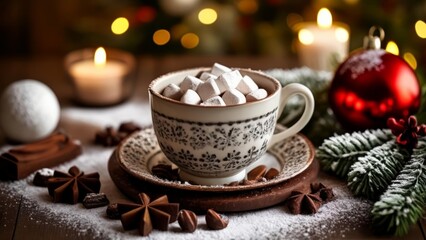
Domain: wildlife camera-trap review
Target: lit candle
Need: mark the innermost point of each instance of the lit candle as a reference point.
(324, 44)
(98, 81)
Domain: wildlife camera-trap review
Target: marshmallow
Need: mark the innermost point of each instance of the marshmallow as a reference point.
(219, 69)
(190, 82)
(257, 95)
(214, 101)
(172, 91)
(247, 85)
(228, 80)
(208, 89)
(190, 97)
(206, 75)
(233, 97)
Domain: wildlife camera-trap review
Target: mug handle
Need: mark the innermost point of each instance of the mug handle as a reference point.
(287, 92)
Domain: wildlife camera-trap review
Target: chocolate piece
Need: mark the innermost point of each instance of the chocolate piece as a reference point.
(187, 220)
(216, 221)
(232, 184)
(21, 161)
(256, 173)
(325, 193)
(129, 127)
(109, 137)
(41, 177)
(271, 173)
(303, 203)
(94, 200)
(72, 187)
(112, 211)
(248, 182)
(148, 215)
(165, 171)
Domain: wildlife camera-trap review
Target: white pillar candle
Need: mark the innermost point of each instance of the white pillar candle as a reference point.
(322, 45)
(98, 81)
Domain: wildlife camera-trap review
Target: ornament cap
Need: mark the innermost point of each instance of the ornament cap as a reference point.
(374, 42)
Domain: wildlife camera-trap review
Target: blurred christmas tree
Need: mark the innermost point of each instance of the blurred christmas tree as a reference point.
(250, 27)
(241, 26)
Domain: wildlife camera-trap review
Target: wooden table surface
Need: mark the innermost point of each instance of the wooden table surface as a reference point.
(19, 221)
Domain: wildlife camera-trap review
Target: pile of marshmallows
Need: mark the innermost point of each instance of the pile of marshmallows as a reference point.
(221, 86)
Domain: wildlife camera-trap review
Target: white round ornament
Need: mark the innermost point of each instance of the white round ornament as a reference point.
(29, 111)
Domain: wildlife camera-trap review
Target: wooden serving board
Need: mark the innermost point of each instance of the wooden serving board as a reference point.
(200, 201)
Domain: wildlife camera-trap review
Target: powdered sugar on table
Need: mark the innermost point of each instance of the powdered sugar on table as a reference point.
(334, 219)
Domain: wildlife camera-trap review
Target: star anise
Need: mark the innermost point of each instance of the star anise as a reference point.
(304, 203)
(109, 137)
(148, 215)
(406, 131)
(325, 193)
(73, 186)
(129, 127)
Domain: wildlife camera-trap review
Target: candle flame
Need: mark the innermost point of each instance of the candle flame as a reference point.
(324, 18)
(100, 57)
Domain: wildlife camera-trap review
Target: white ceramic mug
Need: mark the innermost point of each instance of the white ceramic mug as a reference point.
(214, 145)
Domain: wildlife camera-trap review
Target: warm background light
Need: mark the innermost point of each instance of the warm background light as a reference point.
(207, 16)
(190, 40)
(100, 57)
(392, 48)
(247, 6)
(410, 59)
(420, 27)
(161, 37)
(341, 34)
(324, 18)
(306, 37)
(120, 25)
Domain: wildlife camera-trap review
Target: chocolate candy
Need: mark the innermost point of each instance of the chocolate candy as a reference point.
(41, 177)
(271, 173)
(21, 161)
(129, 127)
(112, 211)
(216, 221)
(256, 173)
(94, 200)
(187, 220)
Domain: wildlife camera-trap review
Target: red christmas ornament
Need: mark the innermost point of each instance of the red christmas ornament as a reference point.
(372, 85)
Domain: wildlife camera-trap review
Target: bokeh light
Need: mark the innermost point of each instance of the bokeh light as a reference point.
(120, 25)
(306, 37)
(190, 40)
(146, 14)
(161, 37)
(341, 34)
(247, 6)
(410, 59)
(391, 47)
(207, 16)
(420, 27)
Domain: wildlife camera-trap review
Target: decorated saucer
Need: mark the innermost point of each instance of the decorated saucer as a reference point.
(138, 153)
